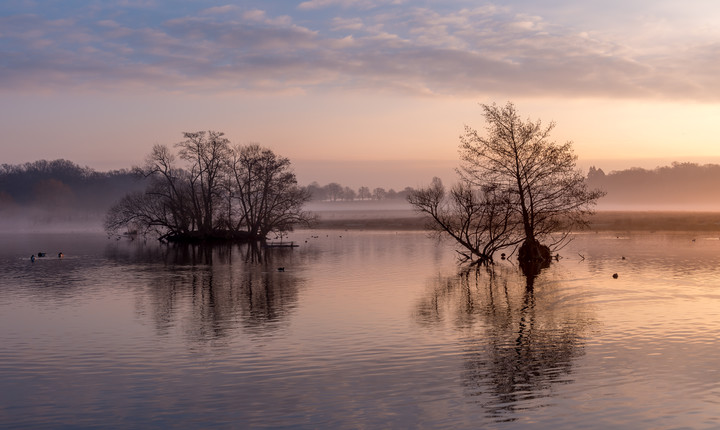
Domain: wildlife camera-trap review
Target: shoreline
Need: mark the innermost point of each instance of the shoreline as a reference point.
(408, 220)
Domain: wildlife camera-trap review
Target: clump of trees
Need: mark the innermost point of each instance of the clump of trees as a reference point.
(516, 188)
(212, 190)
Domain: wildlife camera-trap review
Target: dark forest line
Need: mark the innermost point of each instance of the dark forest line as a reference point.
(62, 186)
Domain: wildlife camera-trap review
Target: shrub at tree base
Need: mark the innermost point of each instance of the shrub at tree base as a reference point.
(533, 257)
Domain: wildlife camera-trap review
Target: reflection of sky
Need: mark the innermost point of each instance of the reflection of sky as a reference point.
(362, 329)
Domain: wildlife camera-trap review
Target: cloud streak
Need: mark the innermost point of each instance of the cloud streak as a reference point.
(346, 4)
(423, 51)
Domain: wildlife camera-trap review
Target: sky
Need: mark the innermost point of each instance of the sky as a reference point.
(361, 92)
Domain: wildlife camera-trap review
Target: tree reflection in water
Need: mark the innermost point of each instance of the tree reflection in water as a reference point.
(519, 337)
(211, 292)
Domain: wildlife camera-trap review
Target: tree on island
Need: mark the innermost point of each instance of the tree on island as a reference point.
(516, 188)
(216, 192)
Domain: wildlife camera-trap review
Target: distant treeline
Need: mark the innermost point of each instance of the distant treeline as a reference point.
(680, 185)
(335, 192)
(61, 185)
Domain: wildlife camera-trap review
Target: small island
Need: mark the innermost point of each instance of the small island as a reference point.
(212, 191)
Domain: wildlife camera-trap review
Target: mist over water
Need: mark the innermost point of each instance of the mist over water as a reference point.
(62, 196)
(42, 219)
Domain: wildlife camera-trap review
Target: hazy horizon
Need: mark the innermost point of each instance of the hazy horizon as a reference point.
(59, 190)
(398, 174)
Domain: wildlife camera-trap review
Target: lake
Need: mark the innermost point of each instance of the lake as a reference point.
(362, 329)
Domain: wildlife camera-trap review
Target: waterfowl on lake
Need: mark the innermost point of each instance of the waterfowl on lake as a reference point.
(615, 275)
(281, 269)
(41, 254)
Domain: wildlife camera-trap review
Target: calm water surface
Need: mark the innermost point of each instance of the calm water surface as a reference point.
(361, 330)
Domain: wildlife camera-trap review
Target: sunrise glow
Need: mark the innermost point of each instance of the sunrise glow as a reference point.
(344, 80)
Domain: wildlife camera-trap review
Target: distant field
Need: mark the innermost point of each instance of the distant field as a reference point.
(390, 219)
(601, 221)
(655, 221)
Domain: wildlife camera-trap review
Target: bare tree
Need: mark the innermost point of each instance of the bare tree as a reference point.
(316, 191)
(206, 153)
(333, 191)
(545, 190)
(480, 220)
(364, 193)
(143, 212)
(164, 207)
(379, 193)
(348, 193)
(266, 192)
